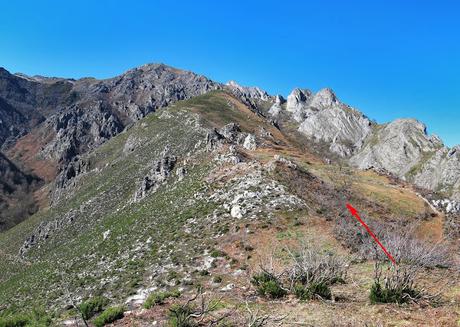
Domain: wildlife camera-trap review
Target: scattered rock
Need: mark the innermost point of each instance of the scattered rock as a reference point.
(158, 174)
(250, 142)
(236, 212)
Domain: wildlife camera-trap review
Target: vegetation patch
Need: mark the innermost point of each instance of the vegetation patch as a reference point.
(397, 286)
(92, 306)
(109, 315)
(158, 298)
(268, 285)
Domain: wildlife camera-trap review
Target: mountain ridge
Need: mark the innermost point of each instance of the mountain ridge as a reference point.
(60, 119)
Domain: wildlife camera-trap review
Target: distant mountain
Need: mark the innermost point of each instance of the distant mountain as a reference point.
(402, 147)
(127, 190)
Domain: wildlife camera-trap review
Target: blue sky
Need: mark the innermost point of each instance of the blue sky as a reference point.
(387, 58)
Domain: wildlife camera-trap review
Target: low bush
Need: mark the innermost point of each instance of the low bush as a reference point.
(158, 298)
(312, 267)
(396, 286)
(17, 320)
(92, 306)
(180, 316)
(400, 240)
(36, 318)
(109, 315)
(268, 285)
(312, 290)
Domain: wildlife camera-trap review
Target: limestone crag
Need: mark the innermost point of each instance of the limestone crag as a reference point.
(160, 171)
(323, 118)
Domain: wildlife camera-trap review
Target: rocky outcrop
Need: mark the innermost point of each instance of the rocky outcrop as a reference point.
(447, 205)
(252, 96)
(230, 134)
(45, 230)
(69, 176)
(276, 108)
(160, 171)
(397, 147)
(250, 142)
(80, 128)
(440, 171)
(323, 118)
(404, 149)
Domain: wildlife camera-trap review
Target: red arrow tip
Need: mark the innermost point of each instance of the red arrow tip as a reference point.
(352, 210)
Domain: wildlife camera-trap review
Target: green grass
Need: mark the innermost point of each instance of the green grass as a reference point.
(109, 315)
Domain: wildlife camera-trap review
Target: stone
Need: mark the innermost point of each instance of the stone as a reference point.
(250, 142)
(236, 212)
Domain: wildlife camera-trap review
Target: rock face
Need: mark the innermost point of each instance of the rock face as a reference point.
(69, 176)
(441, 172)
(276, 108)
(25, 102)
(397, 147)
(86, 112)
(404, 149)
(324, 118)
(251, 96)
(160, 171)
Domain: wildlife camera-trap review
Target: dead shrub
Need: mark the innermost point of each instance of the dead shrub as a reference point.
(400, 241)
(397, 284)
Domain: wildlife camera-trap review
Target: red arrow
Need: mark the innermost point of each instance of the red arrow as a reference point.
(354, 213)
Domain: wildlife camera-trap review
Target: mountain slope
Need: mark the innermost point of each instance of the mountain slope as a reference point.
(201, 189)
(16, 198)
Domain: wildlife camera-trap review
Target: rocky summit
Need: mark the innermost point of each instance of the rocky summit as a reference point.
(160, 197)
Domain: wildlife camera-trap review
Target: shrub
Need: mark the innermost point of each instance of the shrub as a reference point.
(159, 298)
(305, 293)
(398, 286)
(268, 285)
(109, 315)
(180, 316)
(217, 279)
(36, 318)
(314, 268)
(400, 240)
(217, 253)
(17, 320)
(92, 306)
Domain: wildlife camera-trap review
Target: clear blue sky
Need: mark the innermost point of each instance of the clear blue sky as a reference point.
(387, 58)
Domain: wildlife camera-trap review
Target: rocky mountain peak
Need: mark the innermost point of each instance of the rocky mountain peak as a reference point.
(324, 98)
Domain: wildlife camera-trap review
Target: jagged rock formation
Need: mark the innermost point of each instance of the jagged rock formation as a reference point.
(85, 113)
(323, 118)
(252, 96)
(441, 172)
(404, 149)
(160, 171)
(69, 176)
(276, 108)
(397, 147)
